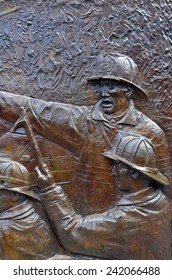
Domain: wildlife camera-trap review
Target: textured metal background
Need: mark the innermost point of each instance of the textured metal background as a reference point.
(46, 48)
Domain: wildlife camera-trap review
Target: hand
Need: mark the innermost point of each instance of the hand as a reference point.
(45, 178)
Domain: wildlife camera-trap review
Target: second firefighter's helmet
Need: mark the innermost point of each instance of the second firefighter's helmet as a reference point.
(139, 153)
(15, 177)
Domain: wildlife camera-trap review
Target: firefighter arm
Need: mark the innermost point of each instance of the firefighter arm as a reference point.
(90, 235)
(60, 123)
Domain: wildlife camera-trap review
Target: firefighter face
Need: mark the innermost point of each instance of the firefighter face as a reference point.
(130, 179)
(9, 199)
(125, 178)
(113, 96)
(6, 200)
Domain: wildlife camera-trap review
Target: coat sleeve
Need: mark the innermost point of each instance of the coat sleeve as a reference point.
(63, 124)
(91, 235)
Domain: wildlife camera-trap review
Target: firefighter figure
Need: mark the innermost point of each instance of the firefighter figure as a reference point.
(25, 233)
(88, 131)
(139, 224)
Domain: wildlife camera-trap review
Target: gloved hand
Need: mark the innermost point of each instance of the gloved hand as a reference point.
(45, 178)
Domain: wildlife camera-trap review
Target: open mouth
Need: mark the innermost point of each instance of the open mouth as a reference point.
(106, 103)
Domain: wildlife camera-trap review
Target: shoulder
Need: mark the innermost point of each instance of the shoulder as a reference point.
(147, 122)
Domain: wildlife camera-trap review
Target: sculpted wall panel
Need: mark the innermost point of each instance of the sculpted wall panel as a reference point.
(94, 79)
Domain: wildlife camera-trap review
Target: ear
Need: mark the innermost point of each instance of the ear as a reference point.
(130, 92)
(135, 174)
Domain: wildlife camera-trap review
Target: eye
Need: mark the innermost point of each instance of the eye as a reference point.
(110, 86)
(98, 88)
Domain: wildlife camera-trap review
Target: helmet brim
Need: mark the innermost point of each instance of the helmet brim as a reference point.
(139, 92)
(18, 189)
(158, 176)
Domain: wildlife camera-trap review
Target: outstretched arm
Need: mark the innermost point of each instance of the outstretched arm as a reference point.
(60, 123)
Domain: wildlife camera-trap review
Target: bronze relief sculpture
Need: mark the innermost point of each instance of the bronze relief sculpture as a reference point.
(24, 233)
(112, 200)
(87, 131)
(135, 227)
(90, 132)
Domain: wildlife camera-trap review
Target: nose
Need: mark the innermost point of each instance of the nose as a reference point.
(104, 91)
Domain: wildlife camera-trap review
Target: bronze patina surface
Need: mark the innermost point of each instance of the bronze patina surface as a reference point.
(85, 110)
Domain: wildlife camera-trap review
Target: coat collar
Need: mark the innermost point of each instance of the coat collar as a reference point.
(18, 212)
(129, 117)
(143, 197)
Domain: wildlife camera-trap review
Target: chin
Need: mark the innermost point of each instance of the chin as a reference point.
(108, 110)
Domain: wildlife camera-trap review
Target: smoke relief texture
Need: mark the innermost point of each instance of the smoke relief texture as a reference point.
(46, 48)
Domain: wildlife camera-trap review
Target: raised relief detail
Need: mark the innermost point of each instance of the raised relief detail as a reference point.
(85, 139)
(140, 219)
(8, 6)
(110, 132)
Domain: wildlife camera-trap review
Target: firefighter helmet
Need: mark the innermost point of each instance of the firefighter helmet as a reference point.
(139, 153)
(120, 68)
(15, 177)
